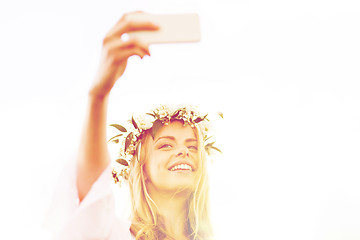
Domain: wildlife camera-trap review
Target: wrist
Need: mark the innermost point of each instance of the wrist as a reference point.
(97, 97)
(97, 94)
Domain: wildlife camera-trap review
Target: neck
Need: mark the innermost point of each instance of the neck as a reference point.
(173, 209)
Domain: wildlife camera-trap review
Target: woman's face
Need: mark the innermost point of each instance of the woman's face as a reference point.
(172, 158)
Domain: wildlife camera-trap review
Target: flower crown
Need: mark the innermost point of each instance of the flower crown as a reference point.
(152, 122)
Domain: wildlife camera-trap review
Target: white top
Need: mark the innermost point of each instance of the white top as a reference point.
(97, 215)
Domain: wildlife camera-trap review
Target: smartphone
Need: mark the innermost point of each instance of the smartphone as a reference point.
(174, 28)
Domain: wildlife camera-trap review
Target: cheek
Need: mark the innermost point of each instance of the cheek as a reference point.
(194, 156)
(155, 164)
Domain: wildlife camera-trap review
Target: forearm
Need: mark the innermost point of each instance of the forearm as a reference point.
(93, 155)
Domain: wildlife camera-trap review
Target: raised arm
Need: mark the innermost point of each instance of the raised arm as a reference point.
(93, 156)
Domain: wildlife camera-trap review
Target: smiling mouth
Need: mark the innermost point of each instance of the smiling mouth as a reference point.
(182, 166)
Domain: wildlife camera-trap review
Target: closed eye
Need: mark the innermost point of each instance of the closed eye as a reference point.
(164, 146)
(193, 147)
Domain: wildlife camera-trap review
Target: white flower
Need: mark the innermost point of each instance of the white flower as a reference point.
(144, 122)
(162, 113)
(146, 125)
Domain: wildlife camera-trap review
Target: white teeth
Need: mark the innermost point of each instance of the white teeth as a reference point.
(181, 167)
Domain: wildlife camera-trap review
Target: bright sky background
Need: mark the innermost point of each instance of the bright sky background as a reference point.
(284, 73)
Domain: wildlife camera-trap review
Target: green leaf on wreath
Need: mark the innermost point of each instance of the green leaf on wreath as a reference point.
(199, 119)
(119, 127)
(115, 137)
(122, 162)
(209, 144)
(134, 123)
(215, 148)
(207, 138)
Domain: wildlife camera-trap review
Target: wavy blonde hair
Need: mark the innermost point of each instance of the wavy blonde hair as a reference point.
(146, 222)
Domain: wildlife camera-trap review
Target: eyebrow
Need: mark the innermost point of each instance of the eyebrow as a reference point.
(173, 139)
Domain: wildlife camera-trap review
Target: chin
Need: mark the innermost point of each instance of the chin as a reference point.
(175, 182)
(181, 185)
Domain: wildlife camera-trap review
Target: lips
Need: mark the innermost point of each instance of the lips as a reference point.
(181, 166)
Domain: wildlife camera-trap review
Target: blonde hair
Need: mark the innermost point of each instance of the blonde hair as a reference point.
(146, 222)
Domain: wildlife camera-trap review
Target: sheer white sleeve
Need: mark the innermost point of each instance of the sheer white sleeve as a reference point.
(94, 218)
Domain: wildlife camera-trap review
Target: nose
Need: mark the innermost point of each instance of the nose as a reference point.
(183, 152)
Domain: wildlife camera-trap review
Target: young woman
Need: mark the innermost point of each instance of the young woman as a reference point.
(163, 160)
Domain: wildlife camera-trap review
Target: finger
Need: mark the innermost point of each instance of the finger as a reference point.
(139, 26)
(124, 55)
(117, 45)
(125, 26)
(135, 43)
(120, 29)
